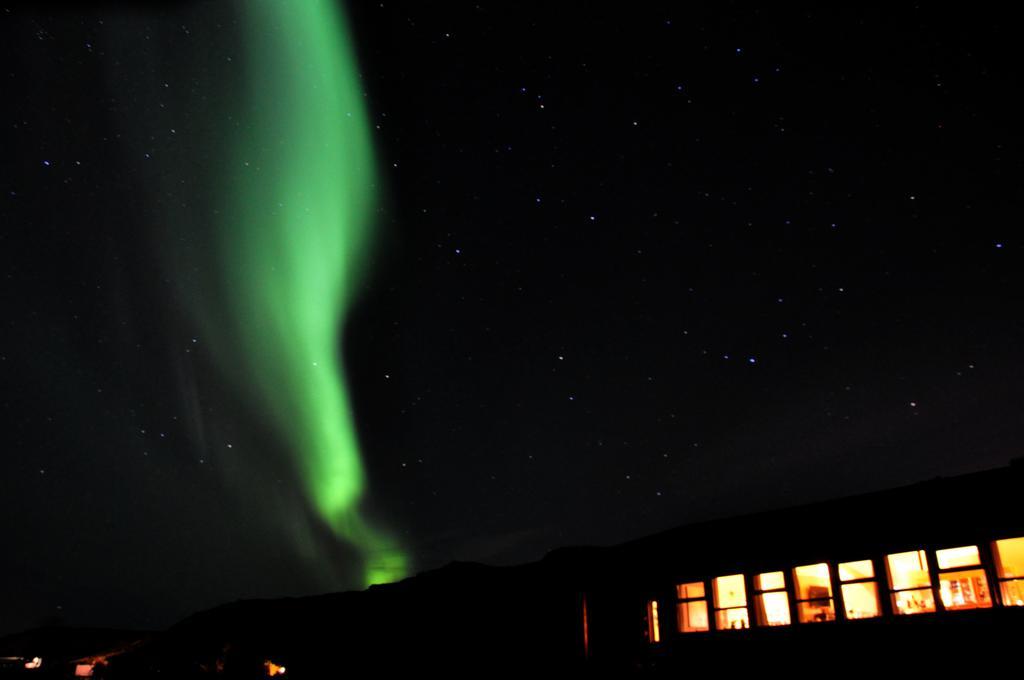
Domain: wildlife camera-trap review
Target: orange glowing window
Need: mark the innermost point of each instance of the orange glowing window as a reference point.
(1009, 557)
(814, 593)
(653, 625)
(771, 599)
(691, 608)
(730, 602)
(962, 588)
(950, 558)
(910, 583)
(859, 589)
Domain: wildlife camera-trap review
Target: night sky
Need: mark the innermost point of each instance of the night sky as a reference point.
(636, 266)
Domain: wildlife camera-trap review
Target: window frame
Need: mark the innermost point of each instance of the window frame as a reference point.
(797, 600)
(653, 621)
(681, 601)
(716, 609)
(760, 613)
(880, 609)
(978, 566)
(997, 572)
(923, 557)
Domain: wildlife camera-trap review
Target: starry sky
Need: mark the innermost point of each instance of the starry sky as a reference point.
(636, 266)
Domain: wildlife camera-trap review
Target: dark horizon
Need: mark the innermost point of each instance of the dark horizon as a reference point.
(634, 270)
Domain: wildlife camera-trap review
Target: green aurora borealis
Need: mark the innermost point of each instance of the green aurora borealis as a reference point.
(294, 237)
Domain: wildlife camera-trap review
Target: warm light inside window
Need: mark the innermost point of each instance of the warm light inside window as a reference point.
(653, 626)
(908, 570)
(693, 616)
(855, 571)
(1009, 556)
(692, 608)
(730, 602)
(860, 600)
(965, 589)
(83, 670)
(689, 591)
(771, 599)
(730, 591)
(910, 582)
(774, 609)
(967, 556)
(772, 580)
(814, 593)
(812, 582)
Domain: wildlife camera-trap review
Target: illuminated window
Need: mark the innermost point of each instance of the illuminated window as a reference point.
(692, 607)
(859, 589)
(910, 583)
(653, 626)
(962, 588)
(1009, 554)
(813, 593)
(771, 599)
(730, 602)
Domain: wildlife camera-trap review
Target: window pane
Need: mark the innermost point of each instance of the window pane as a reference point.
(913, 601)
(964, 589)
(851, 571)
(860, 600)
(908, 570)
(772, 580)
(816, 611)
(1013, 593)
(693, 616)
(966, 556)
(730, 591)
(653, 627)
(773, 609)
(1009, 557)
(812, 582)
(686, 591)
(732, 619)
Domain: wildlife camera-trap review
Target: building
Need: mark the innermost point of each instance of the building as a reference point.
(934, 566)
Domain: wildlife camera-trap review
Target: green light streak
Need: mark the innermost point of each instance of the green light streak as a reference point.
(295, 238)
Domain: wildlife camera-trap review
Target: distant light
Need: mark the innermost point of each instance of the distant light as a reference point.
(36, 662)
(999, 245)
(751, 360)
